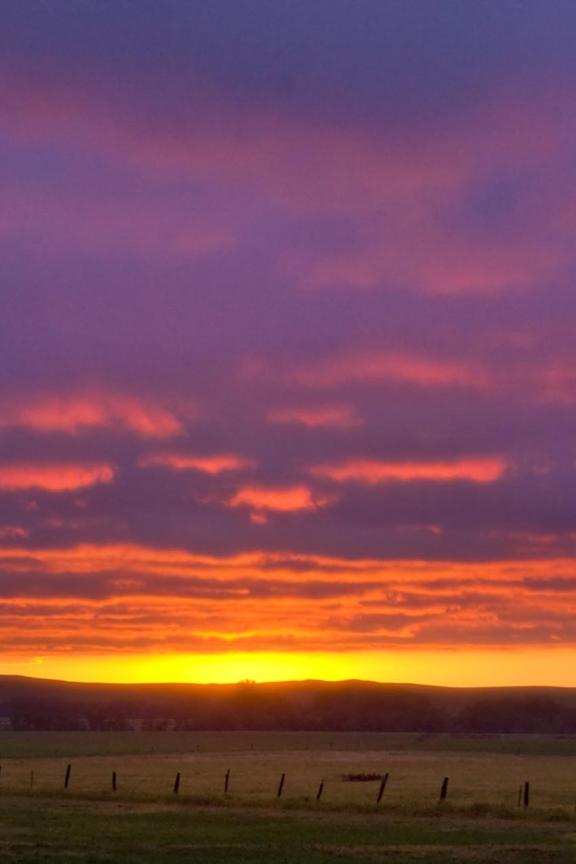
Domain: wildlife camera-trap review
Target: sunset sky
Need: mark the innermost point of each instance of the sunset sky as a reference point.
(287, 340)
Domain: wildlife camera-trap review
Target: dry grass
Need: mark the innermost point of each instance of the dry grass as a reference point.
(489, 780)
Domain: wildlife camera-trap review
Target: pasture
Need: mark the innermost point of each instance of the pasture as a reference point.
(144, 820)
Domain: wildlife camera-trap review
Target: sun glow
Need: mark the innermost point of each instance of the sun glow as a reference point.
(448, 668)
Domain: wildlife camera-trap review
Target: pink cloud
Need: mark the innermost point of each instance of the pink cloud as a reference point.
(85, 220)
(435, 259)
(320, 416)
(290, 499)
(407, 187)
(303, 165)
(73, 413)
(217, 463)
(390, 366)
(304, 157)
(373, 471)
(13, 532)
(530, 377)
(53, 477)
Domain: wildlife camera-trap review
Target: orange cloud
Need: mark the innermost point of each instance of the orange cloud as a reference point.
(331, 416)
(386, 574)
(53, 477)
(215, 464)
(374, 471)
(144, 598)
(287, 499)
(71, 414)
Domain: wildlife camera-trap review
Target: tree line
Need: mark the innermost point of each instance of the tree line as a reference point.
(292, 707)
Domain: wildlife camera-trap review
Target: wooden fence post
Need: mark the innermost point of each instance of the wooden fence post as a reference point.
(383, 783)
(444, 789)
(67, 776)
(526, 796)
(226, 781)
(177, 783)
(281, 786)
(114, 784)
(320, 790)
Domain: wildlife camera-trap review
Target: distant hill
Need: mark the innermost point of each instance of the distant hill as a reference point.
(31, 703)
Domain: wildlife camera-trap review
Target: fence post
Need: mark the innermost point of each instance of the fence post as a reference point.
(114, 784)
(444, 789)
(526, 796)
(320, 790)
(383, 783)
(177, 783)
(226, 781)
(281, 786)
(67, 776)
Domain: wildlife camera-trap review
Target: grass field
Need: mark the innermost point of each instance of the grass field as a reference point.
(145, 821)
(48, 831)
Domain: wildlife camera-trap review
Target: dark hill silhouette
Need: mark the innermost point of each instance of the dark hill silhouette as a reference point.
(30, 703)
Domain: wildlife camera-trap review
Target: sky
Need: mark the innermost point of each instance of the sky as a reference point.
(288, 369)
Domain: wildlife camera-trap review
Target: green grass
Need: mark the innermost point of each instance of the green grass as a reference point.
(32, 744)
(145, 822)
(45, 831)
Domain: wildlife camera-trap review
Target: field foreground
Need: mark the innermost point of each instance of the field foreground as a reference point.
(49, 831)
(169, 803)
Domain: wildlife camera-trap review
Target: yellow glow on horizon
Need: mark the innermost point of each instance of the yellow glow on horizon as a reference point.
(456, 668)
